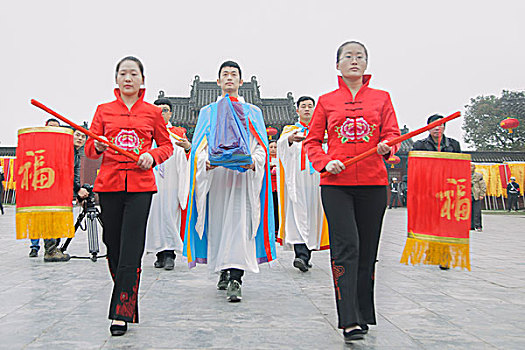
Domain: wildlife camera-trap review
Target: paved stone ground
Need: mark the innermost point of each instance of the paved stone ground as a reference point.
(64, 305)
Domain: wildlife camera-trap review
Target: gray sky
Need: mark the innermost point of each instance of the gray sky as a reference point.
(432, 57)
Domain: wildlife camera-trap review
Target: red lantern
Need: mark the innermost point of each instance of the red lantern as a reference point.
(509, 123)
(393, 160)
(271, 131)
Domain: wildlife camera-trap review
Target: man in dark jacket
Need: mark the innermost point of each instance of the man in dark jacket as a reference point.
(513, 192)
(79, 139)
(432, 141)
(394, 193)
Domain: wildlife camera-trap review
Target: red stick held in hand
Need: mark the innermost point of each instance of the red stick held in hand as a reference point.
(397, 140)
(130, 155)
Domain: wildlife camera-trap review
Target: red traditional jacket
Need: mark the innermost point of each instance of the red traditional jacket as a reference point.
(354, 125)
(133, 130)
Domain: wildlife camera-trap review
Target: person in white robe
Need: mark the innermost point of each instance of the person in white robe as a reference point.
(228, 225)
(303, 224)
(163, 235)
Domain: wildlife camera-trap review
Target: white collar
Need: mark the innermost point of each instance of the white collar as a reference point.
(240, 98)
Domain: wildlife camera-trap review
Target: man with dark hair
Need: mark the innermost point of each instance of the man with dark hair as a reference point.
(163, 235)
(303, 224)
(52, 122)
(165, 103)
(230, 223)
(436, 140)
(79, 140)
(231, 64)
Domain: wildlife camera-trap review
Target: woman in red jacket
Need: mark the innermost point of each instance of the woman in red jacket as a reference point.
(125, 188)
(356, 118)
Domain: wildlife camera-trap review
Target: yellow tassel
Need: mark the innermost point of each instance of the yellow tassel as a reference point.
(435, 253)
(45, 225)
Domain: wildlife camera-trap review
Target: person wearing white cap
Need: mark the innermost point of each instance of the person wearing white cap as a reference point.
(394, 193)
(513, 192)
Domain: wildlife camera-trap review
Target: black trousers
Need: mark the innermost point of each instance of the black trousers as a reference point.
(162, 255)
(235, 274)
(512, 202)
(355, 216)
(276, 211)
(302, 252)
(475, 216)
(125, 215)
(394, 200)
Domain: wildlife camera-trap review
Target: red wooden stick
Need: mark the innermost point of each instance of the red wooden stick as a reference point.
(397, 140)
(130, 155)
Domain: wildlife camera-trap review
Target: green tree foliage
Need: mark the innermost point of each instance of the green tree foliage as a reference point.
(482, 118)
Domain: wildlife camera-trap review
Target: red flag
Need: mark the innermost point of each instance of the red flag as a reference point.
(44, 183)
(439, 206)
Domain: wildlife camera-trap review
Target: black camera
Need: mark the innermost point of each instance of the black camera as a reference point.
(89, 202)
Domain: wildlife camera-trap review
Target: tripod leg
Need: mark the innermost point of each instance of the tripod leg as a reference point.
(93, 235)
(77, 225)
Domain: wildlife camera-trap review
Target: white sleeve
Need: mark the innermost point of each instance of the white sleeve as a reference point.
(255, 182)
(202, 186)
(290, 157)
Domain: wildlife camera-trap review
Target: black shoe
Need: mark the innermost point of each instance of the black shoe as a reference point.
(444, 267)
(234, 292)
(169, 263)
(33, 253)
(224, 280)
(300, 264)
(309, 265)
(364, 328)
(161, 261)
(118, 330)
(354, 334)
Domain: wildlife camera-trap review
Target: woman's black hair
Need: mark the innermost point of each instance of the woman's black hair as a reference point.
(130, 58)
(340, 49)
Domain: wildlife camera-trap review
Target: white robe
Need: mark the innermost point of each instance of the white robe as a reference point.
(163, 229)
(302, 197)
(232, 204)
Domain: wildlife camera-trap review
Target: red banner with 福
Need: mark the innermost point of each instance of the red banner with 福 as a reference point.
(439, 208)
(44, 183)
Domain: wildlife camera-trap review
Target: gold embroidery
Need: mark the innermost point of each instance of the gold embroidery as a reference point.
(454, 202)
(34, 175)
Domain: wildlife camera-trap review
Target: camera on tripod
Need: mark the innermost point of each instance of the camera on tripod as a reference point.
(90, 215)
(88, 202)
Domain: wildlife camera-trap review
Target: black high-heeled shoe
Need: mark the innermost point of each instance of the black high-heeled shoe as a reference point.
(354, 334)
(118, 330)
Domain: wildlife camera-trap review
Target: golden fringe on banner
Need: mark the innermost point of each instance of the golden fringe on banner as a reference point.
(45, 225)
(436, 253)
